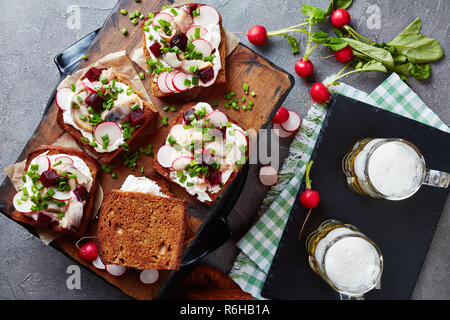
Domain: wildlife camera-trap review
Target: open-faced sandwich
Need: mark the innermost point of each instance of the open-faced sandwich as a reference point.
(185, 48)
(141, 226)
(103, 111)
(59, 190)
(203, 151)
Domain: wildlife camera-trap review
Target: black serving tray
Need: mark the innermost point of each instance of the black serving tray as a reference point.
(402, 229)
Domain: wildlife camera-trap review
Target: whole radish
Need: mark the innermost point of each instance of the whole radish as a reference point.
(281, 116)
(319, 92)
(304, 67)
(88, 252)
(340, 18)
(308, 198)
(257, 35)
(344, 55)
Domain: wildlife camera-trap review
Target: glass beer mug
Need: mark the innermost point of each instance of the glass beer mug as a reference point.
(392, 169)
(345, 258)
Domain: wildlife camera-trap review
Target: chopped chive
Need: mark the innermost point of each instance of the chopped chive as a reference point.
(141, 17)
(232, 93)
(135, 107)
(123, 11)
(142, 170)
(164, 120)
(166, 108)
(141, 75)
(84, 57)
(129, 91)
(147, 28)
(151, 15)
(244, 107)
(195, 81)
(173, 109)
(197, 33)
(79, 99)
(137, 13)
(73, 87)
(73, 176)
(134, 21)
(174, 12)
(187, 82)
(124, 31)
(114, 175)
(243, 99)
(245, 86)
(253, 93)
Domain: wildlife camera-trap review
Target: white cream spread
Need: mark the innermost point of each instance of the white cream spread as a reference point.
(119, 111)
(170, 61)
(141, 184)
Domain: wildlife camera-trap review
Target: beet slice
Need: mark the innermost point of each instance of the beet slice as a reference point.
(81, 193)
(191, 7)
(95, 101)
(43, 220)
(93, 74)
(49, 178)
(155, 48)
(206, 75)
(136, 117)
(179, 40)
(187, 115)
(215, 178)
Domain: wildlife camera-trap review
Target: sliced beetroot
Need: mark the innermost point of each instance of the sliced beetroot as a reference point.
(93, 74)
(179, 40)
(215, 177)
(44, 219)
(155, 48)
(187, 115)
(95, 101)
(49, 178)
(136, 117)
(206, 75)
(81, 193)
(191, 7)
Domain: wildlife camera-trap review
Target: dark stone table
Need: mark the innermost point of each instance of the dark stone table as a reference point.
(33, 32)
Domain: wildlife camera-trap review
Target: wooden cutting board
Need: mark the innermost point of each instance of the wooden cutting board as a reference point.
(270, 83)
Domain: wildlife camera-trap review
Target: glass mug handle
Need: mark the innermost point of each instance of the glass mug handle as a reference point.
(436, 178)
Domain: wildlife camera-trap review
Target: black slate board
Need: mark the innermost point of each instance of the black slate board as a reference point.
(402, 229)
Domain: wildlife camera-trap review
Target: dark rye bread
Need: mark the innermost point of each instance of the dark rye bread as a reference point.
(221, 76)
(141, 231)
(89, 205)
(165, 172)
(106, 157)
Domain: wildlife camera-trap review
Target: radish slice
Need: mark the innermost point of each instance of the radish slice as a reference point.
(63, 98)
(65, 160)
(115, 270)
(181, 162)
(208, 15)
(178, 132)
(241, 137)
(279, 131)
(191, 31)
(293, 122)
(166, 155)
(92, 85)
(203, 46)
(44, 164)
(20, 205)
(62, 195)
(162, 16)
(98, 263)
(178, 81)
(268, 175)
(149, 276)
(161, 82)
(109, 128)
(218, 118)
(168, 81)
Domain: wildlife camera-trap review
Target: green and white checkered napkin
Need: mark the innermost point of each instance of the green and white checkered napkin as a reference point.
(259, 245)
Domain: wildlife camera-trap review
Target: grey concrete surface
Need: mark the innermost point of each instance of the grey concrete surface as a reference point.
(33, 32)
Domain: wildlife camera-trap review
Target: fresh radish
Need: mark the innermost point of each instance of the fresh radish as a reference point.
(88, 252)
(344, 55)
(293, 122)
(268, 175)
(44, 164)
(308, 198)
(257, 35)
(115, 270)
(65, 160)
(319, 92)
(178, 81)
(281, 116)
(169, 83)
(161, 82)
(62, 195)
(191, 31)
(149, 276)
(202, 46)
(217, 118)
(241, 137)
(162, 16)
(92, 85)
(98, 263)
(208, 15)
(304, 67)
(178, 132)
(279, 131)
(110, 129)
(180, 163)
(63, 98)
(165, 156)
(340, 18)
(20, 205)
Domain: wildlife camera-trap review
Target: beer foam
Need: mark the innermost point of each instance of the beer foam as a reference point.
(395, 169)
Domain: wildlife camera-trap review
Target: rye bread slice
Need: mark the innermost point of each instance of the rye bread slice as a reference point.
(93, 165)
(141, 231)
(106, 157)
(165, 172)
(221, 75)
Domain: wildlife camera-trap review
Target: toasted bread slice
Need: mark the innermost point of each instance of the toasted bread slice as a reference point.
(141, 230)
(148, 110)
(89, 205)
(165, 172)
(221, 76)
